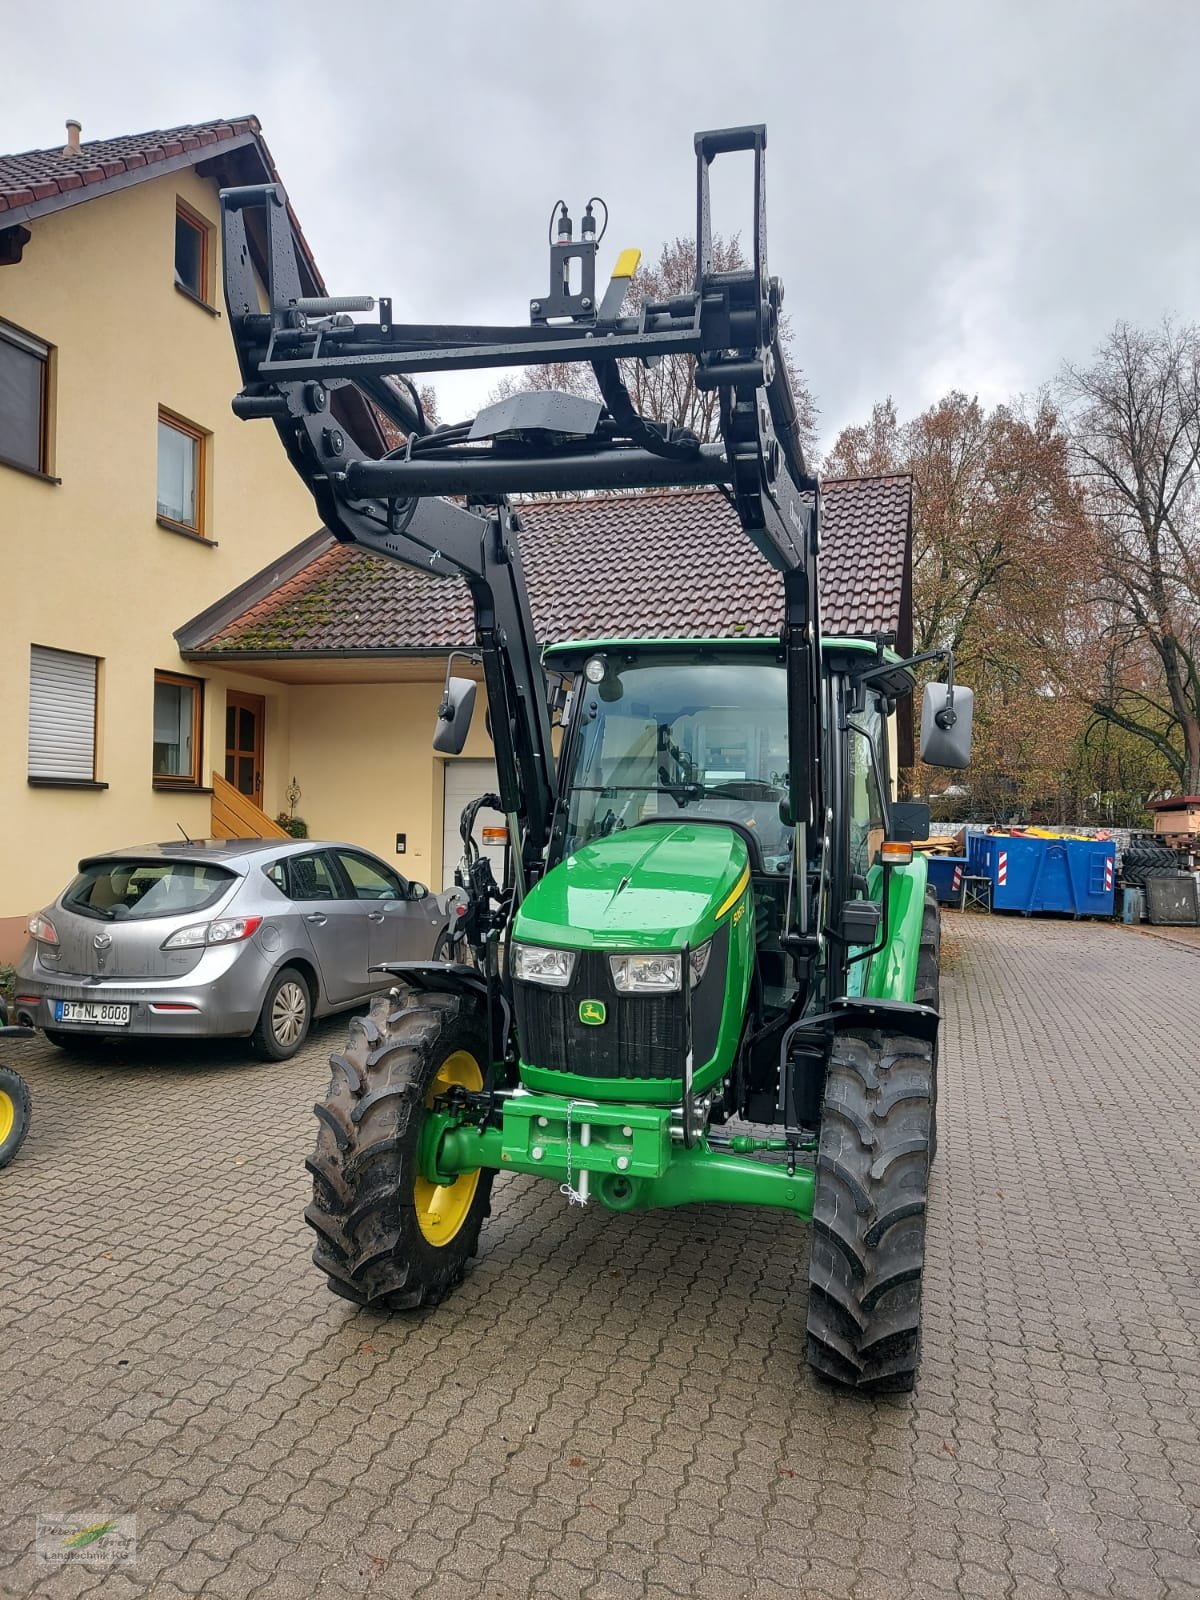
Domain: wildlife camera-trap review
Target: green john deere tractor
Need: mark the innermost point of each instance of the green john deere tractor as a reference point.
(710, 973)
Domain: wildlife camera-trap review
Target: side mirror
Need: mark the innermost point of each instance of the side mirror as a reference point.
(417, 891)
(946, 717)
(454, 716)
(909, 821)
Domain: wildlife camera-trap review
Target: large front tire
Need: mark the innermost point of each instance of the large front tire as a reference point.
(868, 1229)
(387, 1237)
(15, 1105)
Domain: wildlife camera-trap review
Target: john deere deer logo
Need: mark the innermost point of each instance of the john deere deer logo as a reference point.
(593, 1012)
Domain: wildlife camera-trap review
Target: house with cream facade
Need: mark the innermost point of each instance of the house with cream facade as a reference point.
(130, 497)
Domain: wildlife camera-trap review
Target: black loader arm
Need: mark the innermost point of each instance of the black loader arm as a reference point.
(297, 351)
(476, 542)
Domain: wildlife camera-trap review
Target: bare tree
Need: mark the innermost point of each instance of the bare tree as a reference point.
(667, 392)
(1134, 420)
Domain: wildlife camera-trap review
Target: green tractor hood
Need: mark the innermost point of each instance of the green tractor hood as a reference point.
(656, 886)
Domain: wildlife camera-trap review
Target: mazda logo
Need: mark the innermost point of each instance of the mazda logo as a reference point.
(102, 941)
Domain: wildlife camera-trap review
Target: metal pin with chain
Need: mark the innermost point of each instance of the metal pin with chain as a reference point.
(577, 1197)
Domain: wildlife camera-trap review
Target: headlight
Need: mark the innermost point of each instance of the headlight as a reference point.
(535, 963)
(645, 974)
(657, 974)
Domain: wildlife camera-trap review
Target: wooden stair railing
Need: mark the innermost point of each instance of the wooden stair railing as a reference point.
(234, 816)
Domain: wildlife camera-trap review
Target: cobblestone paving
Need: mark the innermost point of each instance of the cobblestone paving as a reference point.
(614, 1407)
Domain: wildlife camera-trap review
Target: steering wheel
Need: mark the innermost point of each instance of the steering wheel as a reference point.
(750, 789)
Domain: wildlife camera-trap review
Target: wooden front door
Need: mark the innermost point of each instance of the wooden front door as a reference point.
(245, 715)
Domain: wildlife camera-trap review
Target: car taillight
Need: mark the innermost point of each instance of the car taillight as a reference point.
(226, 931)
(231, 929)
(42, 929)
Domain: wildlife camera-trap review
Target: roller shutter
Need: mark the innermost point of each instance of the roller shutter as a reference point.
(62, 714)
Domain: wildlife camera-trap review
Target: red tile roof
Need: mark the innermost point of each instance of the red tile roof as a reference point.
(673, 564)
(38, 174)
(46, 179)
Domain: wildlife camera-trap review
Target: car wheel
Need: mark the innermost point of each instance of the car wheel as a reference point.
(456, 950)
(286, 1016)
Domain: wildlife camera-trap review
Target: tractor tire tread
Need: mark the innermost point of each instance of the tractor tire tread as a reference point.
(868, 1239)
(369, 1244)
(16, 1091)
(928, 988)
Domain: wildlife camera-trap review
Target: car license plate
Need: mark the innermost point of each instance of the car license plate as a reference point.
(112, 1016)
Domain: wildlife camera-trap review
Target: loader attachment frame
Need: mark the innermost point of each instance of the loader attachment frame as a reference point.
(298, 351)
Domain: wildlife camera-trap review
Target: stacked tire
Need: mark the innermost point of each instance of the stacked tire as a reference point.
(1142, 861)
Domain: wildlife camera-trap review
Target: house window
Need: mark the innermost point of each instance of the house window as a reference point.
(180, 473)
(24, 391)
(191, 252)
(62, 715)
(178, 704)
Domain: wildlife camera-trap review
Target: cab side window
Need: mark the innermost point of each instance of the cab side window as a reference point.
(867, 809)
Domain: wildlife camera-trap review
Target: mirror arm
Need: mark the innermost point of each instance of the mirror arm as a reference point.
(947, 716)
(446, 709)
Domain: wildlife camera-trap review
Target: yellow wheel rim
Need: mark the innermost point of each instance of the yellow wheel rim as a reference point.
(442, 1208)
(8, 1115)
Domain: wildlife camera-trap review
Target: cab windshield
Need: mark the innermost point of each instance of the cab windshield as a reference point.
(673, 740)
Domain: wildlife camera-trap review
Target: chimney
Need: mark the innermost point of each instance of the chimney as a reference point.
(74, 129)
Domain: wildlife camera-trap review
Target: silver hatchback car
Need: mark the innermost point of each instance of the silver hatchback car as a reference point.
(236, 937)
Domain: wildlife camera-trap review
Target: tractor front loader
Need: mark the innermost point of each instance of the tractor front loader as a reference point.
(710, 914)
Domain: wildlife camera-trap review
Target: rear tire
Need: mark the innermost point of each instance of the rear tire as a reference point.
(15, 1106)
(386, 1237)
(928, 989)
(286, 1016)
(868, 1229)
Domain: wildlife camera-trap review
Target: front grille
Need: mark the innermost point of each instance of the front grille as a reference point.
(643, 1036)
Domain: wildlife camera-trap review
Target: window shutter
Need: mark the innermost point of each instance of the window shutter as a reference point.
(62, 714)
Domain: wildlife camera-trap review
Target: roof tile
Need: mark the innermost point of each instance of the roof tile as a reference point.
(31, 170)
(41, 174)
(107, 157)
(670, 564)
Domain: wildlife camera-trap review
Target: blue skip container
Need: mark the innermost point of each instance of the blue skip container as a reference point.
(946, 876)
(1074, 876)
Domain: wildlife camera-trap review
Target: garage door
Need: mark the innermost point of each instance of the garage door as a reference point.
(466, 780)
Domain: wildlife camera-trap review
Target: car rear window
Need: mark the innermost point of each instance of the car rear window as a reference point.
(120, 890)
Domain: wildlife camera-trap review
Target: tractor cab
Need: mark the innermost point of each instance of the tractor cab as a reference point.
(686, 732)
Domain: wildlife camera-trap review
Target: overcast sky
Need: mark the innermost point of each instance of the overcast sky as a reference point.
(959, 194)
